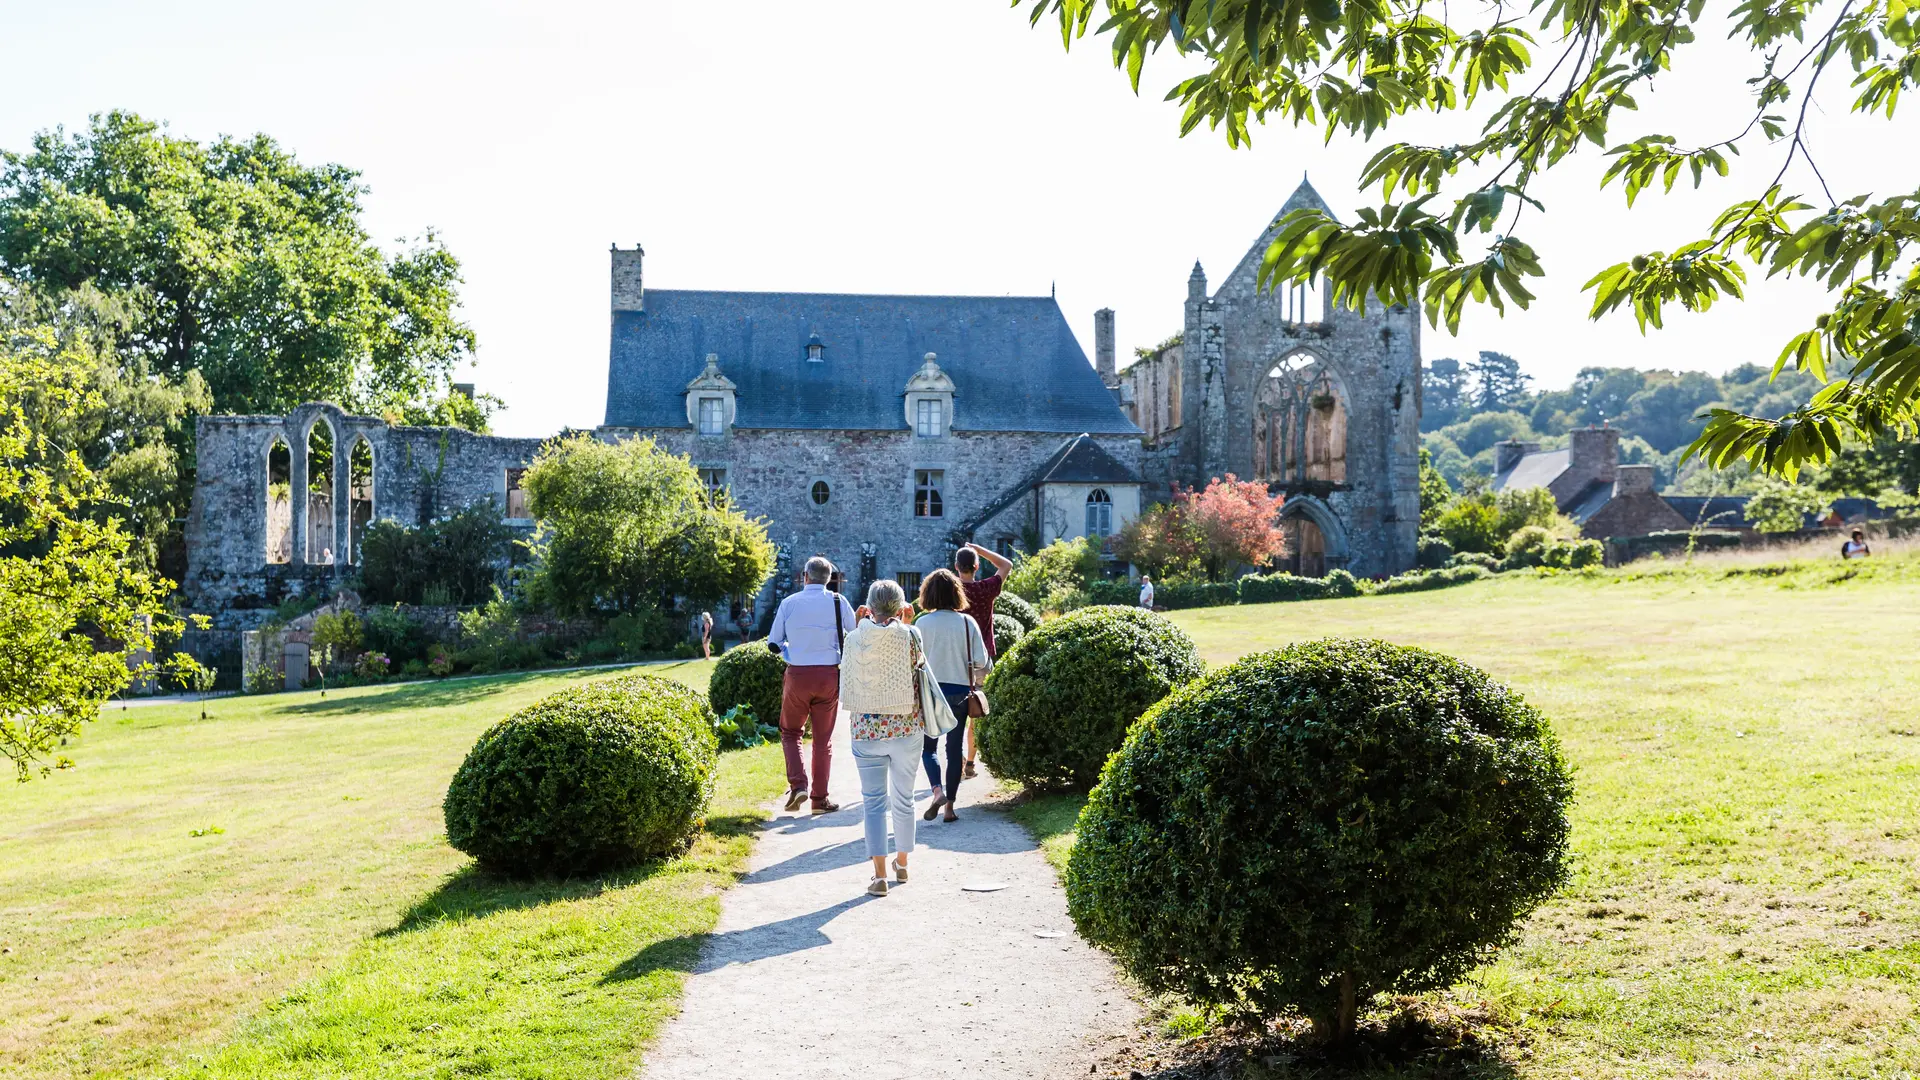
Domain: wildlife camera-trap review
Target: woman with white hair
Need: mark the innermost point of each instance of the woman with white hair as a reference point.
(877, 688)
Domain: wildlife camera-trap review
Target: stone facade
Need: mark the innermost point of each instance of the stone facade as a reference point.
(248, 548)
(1321, 403)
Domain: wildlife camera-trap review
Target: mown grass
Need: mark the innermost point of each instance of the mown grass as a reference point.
(326, 929)
(1747, 739)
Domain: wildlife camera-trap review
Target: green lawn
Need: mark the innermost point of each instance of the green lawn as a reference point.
(1748, 751)
(326, 929)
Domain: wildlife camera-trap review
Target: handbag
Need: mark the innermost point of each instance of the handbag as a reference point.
(976, 697)
(936, 719)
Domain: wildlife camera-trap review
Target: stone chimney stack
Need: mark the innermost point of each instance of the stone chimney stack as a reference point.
(1632, 480)
(1507, 453)
(1103, 346)
(627, 292)
(1594, 453)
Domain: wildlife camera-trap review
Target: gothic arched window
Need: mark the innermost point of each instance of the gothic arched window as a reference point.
(1300, 423)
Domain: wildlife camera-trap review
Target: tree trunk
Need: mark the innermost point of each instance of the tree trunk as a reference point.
(1349, 1009)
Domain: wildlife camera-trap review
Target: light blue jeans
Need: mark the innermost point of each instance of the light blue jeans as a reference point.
(888, 771)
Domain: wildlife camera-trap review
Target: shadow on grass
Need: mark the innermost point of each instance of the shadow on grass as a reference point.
(1414, 1041)
(711, 952)
(474, 893)
(414, 695)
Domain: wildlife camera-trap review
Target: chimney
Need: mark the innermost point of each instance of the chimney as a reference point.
(1508, 453)
(627, 293)
(1103, 346)
(1594, 453)
(1632, 480)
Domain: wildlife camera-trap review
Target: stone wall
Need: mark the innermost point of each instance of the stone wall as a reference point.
(419, 473)
(870, 482)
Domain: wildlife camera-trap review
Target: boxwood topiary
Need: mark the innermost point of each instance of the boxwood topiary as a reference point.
(1064, 695)
(750, 675)
(1006, 631)
(1310, 827)
(1026, 614)
(591, 778)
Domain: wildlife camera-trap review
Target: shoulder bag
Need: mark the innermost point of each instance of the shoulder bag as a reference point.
(976, 698)
(936, 719)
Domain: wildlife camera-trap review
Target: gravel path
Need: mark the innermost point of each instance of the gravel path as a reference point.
(808, 977)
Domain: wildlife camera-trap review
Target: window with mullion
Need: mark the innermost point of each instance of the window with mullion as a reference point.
(928, 495)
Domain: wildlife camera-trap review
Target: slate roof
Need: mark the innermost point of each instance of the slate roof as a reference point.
(1538, 469)
(1014, 362)
(1589, 501)
(1080, 460)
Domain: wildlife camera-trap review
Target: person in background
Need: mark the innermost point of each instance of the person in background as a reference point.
(1146, 592)
(808, 630)
(882, 656)
(706, 635)
(957, 653)
(1856, 547)
(981, 593)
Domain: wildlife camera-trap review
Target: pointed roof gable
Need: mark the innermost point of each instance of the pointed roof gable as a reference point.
(1303, 197)
(1080, 460)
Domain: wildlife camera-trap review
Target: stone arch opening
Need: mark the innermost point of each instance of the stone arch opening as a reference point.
(360, 493)
(320, 471)
(1315, 541)
(279, 504)
(1300, 423)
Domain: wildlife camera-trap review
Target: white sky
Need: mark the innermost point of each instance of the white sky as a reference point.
(834, 145)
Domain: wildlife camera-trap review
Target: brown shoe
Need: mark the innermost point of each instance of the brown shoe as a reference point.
(795, 798)
(968, 772)
(827, 807)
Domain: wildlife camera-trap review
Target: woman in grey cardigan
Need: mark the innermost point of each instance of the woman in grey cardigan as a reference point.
(958, 656)
(877, 688)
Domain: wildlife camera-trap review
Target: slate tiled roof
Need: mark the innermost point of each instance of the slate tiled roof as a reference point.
(1014, 362)
(1080, 460)
(1589, 501)
(1538, 469)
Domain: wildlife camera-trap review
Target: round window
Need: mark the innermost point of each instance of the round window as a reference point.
(821, 493)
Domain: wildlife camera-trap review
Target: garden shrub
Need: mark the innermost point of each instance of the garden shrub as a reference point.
(372, 666)
(1006, 631)
(1434, 551)
(1191, 594)
(1114, 591)
(751, 675)
(455, 560)
(1274, 588)
(395, 632)
(1048, 576)
(1341, 584)
(1021, 611)
(594, 777)
(1423, 580)
(1064, 695)
(1476, 558)
(739, 729)
(1313, 826)
(491, 639)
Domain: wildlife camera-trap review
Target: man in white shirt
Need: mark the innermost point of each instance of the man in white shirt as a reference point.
(807, 631)
(1146, 592)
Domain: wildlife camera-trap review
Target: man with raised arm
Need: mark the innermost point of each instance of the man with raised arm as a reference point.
(981, 593)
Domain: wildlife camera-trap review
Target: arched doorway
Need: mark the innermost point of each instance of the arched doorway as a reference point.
(1316, 542)
(1306, 547)
(1300, 423)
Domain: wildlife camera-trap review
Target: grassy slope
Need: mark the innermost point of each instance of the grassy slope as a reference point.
(1748, 749)
(132, 945)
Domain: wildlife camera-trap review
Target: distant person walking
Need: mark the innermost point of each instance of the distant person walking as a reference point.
(957, 653)
(883, 704)
(981, 593)
(706, 635)
(1146, 592)
(808, 631)
(1856, 547)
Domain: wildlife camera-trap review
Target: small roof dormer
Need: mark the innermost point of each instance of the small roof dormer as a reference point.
(929, 397)
(710, 400)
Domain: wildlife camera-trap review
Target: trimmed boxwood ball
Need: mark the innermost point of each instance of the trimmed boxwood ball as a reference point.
(1064, 695)
(750, 675)
(1006, 631)
(592, 778)
(1022, 612)
(1310, 827)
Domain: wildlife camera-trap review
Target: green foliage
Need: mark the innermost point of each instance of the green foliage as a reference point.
(238, 262)
(454, 560)
(338, 630)
(1434, 552)
(75, 607)
(627, 525)
(598, 776)
(1411, 811)
(749, 676)
(1362, 69)
(1476, 558)
(1781, 507)
(491, 639)
(1049, 577)
(1019, 610)
(1471, 523)
(394, 632)
(372, 666)
(1435, 492)
(1423, 580)
(1006, 631)
(1065, 694)
(739, 730)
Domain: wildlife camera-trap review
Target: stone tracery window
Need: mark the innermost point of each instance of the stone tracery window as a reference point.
(1300, 423)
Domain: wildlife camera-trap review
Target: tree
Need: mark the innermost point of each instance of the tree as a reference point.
(1161, 543)
(627, 527)
(1051, 576)
(1435, 492)
(78, 616)
(238, 262)
(1498, 381)
(1443, 393)
(1237, 522)
(1883, 466)
(1362, 68)
(1781, 507)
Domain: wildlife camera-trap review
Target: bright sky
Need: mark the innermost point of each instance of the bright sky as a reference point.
(835, 146)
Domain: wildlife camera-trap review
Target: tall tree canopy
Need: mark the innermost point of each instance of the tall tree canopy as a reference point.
(1362, 66)
(236, 261)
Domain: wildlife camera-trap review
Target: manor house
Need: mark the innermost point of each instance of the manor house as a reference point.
(881, 431)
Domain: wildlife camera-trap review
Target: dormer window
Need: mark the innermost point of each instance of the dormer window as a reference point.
(930, 401)
(713, 416)
(710, 401)
(816, 351)
(929, 418)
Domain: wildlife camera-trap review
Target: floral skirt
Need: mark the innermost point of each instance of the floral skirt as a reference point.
(885, 725)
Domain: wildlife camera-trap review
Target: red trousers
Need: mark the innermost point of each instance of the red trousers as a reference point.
(809, 692)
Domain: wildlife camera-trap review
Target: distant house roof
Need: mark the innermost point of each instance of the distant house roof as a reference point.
(1015, 364)
(1538, 469)
(1589, 501)
(1080, 460)
(1711, 512)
